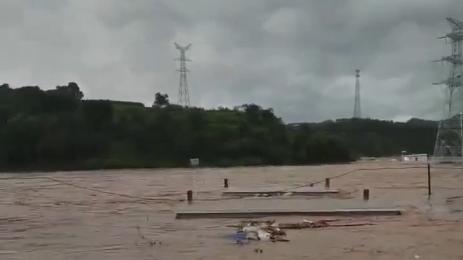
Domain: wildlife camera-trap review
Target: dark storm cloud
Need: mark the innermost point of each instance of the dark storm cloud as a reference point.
(295, 56)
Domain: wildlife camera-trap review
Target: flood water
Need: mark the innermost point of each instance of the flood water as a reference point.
(130, 214)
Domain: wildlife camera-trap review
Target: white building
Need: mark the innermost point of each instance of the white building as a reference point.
(422, 157)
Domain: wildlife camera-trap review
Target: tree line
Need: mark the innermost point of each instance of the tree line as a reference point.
(58, 129)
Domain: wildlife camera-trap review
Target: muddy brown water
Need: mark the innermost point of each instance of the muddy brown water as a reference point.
(130, 214)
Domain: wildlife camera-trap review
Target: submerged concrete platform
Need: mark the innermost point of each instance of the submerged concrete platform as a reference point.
(267, 213)
(280, 193)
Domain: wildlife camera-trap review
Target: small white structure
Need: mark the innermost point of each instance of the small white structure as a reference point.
(194, 162)
(422, 157)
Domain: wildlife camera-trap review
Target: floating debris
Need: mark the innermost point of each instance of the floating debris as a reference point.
(272, 231)
(146, 241)
(262, 231)
(240, 237)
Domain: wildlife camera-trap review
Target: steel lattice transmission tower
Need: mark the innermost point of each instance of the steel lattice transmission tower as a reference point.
(454, 60)
(357, 109)
(183, 92)
(449, 140)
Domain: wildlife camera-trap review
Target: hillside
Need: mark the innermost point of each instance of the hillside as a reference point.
(371, 137)
(58, 129)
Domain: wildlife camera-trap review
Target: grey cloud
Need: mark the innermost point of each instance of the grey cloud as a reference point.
(295, 56)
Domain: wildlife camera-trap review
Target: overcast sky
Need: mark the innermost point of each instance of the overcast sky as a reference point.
(297, 57)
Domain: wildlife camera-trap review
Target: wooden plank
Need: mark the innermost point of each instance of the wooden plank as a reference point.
(267, 213)
(280, 193)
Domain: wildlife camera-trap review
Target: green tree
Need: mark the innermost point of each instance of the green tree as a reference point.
(97, 113)
(161, 99)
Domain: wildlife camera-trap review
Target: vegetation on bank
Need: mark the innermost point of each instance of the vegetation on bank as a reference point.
(58, 129)
(376, 138)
